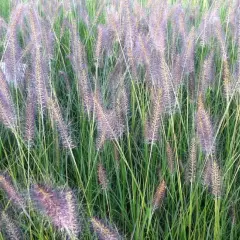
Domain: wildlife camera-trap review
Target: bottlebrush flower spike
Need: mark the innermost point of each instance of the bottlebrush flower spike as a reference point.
(58, 206)
(7, 116)
(170, 158)
(220, 36)
(7, 186)
(78, 60)
(188, 53)
(154, 69)
(158, 34)
(179, 21)
(169, 98)
(13, 52)
(104, 43)
(204, 128)
(72, 220)
(7, 110)
(142, 50)
(177, 72)
(216, 179)
(119, 96)
(159, 195)
(104, 232)
(98, 51)
(192, 161)
(153, 123)
(109, 126)
(12, 231)
(55, 113)
(207, 73)
(30, 115)
(207, 174)
(102, 177)
(40, 66)
(226, 79)
(130, 36)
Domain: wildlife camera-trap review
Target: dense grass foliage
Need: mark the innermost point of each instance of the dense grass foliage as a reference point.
(119, 119)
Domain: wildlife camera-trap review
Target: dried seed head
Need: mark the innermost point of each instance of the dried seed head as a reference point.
(159, 195)
(170, 158)
(102, 177)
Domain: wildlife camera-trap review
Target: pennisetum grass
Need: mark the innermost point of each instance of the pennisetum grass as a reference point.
(143, 81)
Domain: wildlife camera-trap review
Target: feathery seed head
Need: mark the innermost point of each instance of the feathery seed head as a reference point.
(7, 185)
(102, 177)
(216, 179)
(188, 53)
(153, 123)
(104, 232)
(207, 174)
(12, 231)
(159, 195)
(192, 161)
(204, 128)
(58, 206)
(170, 158)
(55, 113)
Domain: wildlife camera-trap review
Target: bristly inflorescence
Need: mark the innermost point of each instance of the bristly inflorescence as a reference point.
(204, 128)
(207, 73)
(7, 185)
(153, 122)
(109, 125)
(103, 231)
(192, 161)
(79, 63)
(40, 66)
(216, 179)
(212, 177)
(10, 228)
(7, 109)
(13, 53)
(102, 176)
(170, 158)
(30, 112)
(56, 116)
(159, 195)
(59, 206)
(172, 51)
